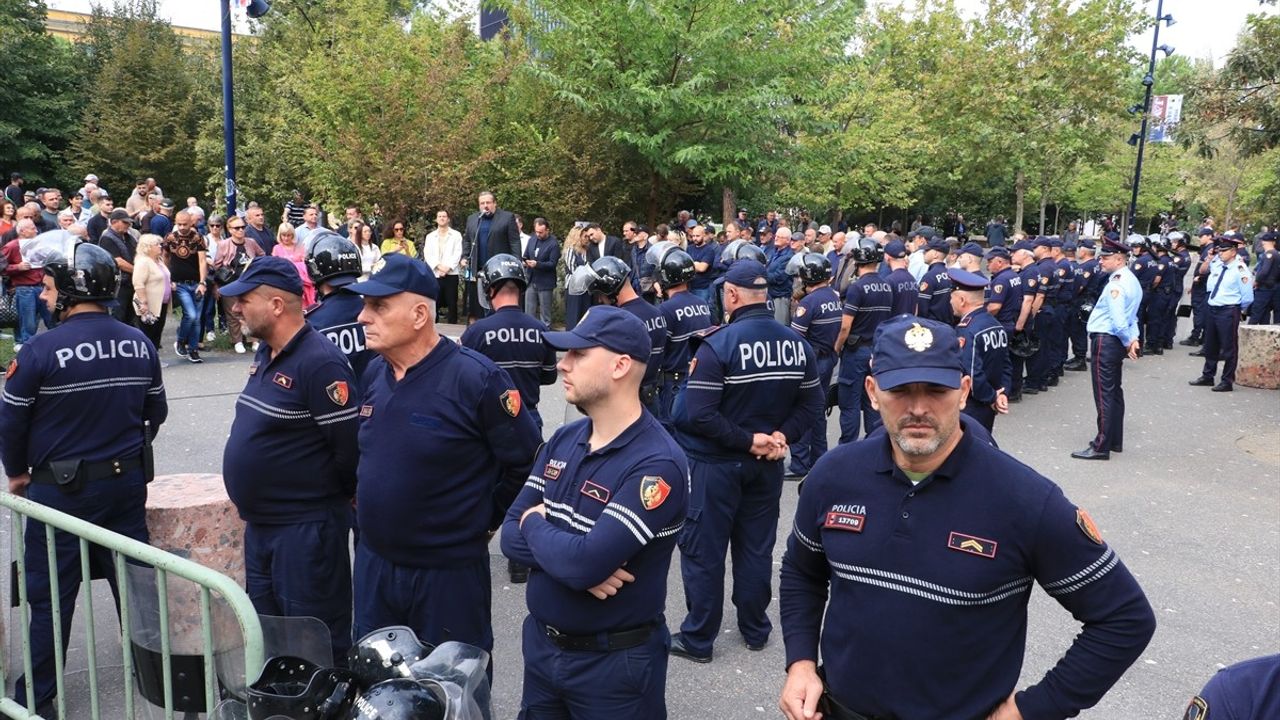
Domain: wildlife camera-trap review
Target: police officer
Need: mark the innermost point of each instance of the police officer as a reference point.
(934, 298)
(1144, 269)
(867, 303)
(984, 348)
(1088, 284)
(1023, 378)
(1248, 690)
(734, 251)
(1004, 292)
(1266, 303)
(81, 403)
(607, 281)
(1230, 291)
(1199, 293)
(901, 281)
(597, 520)
(911, 557)
(295, 424)
(1113, 335)
(1048, 326)
(1064, 301)
(1162, 296)
(753, 388)
(685, 315)
(817, 317)
(333, 262)
(1181, 260)
(445, 445)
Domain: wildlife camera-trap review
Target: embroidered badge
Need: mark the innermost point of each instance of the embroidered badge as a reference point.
(553, 468)
(693, 364)
(1087, 526)
(595, 492)
(510, 401)
(800, 311)
(653, 491)
(1197, 709)
(918, 338)
(253, 369)
(366, 411)
(851, 522)
(338, 392)
(924, 285)
(972, 544)
(1115, 293)
(1031, 282)
(996, 290)
(961, 341)
(13, 368)
(283, 381)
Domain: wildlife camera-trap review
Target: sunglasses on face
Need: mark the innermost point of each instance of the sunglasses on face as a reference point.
(215, 224)
(235, 227)
(398, 228)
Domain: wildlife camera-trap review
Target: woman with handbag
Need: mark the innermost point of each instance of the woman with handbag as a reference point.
(152, 288)
(288, 248)
(232, 256)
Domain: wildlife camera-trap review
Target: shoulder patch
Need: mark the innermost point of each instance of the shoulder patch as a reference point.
(924, 286)
(510, 402)
(997, 288)
(653, 491)
(338, 392)
(1087, 526)
(1031, 282)
(1197, 709)
(800, 311)
(13, 368)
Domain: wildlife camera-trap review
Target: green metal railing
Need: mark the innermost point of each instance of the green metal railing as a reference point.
(121, 547)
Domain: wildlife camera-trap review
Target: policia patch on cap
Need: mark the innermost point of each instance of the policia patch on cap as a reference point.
(1197, 709)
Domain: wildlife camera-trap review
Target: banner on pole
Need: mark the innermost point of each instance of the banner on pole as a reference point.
(1166, 113)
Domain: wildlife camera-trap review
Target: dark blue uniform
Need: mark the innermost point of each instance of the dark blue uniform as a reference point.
(443, 452)
(1029, 278)
(1199, 294)
(289, 467)
(512, 339)
(905, 292)
(1181, 261)
(606, 508)
(1265, 308)
(1087, 287)
(750, 376)
(984, 345)
(79, 392)
(926, 578)
(869, 300)
(934, 296)
(817, 319)
(335, 318)
(1065, 304)
(686, 315)
(1006, 288)
(1040, 367)
(656, 324)
(1144, 268)
(1164, 296)
(1248, 690)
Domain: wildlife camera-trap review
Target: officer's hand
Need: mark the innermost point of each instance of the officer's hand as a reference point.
(801, 691)
(762, 446)
(1001, 405)
(539, 508)
(612, 584)
(18, 484)
(1007, 710)
(1133, 349)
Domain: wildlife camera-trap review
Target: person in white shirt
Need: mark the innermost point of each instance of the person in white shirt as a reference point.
(442, 251)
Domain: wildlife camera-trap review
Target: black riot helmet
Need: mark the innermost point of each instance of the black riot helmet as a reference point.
(867, 252)
(401, 699)
(672, 265)
(90, 276)
(332, 256)
(812, 268)
(742, 250)
(385, 654)
(500, 268)
(605, 276)
(296, 688)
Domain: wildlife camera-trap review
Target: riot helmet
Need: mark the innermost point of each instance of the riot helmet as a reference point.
(296, 688)
(499, 269)
(866, 252)
(812, 268)
(331, 256)
(385, 654)
(90, 276)
(401, 699)
(742, 250)
(672, 266)
(605, 276)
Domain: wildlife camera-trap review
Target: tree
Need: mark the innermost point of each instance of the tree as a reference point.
(1245, 94)
(39, 93)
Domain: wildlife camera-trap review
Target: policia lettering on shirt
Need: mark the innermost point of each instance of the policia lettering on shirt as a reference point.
(939, 537)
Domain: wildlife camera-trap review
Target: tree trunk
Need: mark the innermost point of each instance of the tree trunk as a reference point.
(1231, 197)
(1057, 212)
(652, 210)
(1020, 191)
(730, 201)
(1044, 200)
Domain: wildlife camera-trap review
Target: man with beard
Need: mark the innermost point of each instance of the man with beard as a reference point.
(939, 537)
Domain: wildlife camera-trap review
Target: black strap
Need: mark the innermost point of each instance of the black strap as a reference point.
(64, 474)
(601, 642)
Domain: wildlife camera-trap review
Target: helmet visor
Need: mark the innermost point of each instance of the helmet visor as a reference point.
(580, 282)
(657, 251)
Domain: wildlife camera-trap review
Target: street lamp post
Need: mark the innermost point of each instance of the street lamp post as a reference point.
(255, 9)
(1149, 81)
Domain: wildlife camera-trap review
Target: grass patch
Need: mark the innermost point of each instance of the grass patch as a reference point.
(7, 352)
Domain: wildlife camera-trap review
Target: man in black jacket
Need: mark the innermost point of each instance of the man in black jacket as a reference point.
(490, 231)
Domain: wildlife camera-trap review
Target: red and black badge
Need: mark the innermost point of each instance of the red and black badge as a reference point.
(338, 392)
(653, 491)
(1087, 526)
(972, 544)
(283, 381)
(510, 401)
(845, 521)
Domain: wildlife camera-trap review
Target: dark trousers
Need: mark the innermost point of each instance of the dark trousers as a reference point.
(154, 330)
(439, 604)
(117, 504)
(449, 297)
(813, 444)
(593, 685)
(1076, 333)
(575, 306)
(1157, 318)
(303, 570)
(471, 306)
(124, 311)
(1199, 310)
(1018, 367)
(1144, 316)
(1108, 394)
(733, 506)
(855, 406)
(669, 386)
(1220, 342)
(1265, 310)
(1043, 364)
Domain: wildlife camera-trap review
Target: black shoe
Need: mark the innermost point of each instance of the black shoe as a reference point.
(679, 649)
(1154, 351)
(1015, 398)
(1201, 381)
(1117, 448)
(1030, 390)
(1090, 454)
(1075, 365)
(755, 647)
(1223, 387)
(1053, 381)
(518, 573)
(1168, 344)
(179, 349)
(1189, 342)
(1198, 353)
(193, 355)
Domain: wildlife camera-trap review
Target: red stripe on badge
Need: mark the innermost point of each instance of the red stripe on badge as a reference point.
(845, 521)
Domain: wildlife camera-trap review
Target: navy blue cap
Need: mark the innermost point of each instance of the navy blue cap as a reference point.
(971, 248)
(1068, 247)
(399, 273)
(608, 327)
(998, 252)
(1024, 244)
(1113, 247)
(266, 270)
(923, 231)
(1086, 244)
(1206, 230)
(1114, 235)
(1228, 241)
(895, 249)
(1268, 237)
(966, 280)
(1055, 242)
(938, 244)
(1040, 241)
(910, 349)
(747, 275)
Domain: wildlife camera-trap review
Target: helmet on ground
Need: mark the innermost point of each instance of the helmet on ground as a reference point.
(811, 267)
(296, 688)
(500, 268)
(385, 654)
(401, 699)
(331, 256)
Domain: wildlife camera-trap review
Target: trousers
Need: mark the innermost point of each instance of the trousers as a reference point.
(813, 444)
(855, 407)
(1221, 341)
(1108, 392)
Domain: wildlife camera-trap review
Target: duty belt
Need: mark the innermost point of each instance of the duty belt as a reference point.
(833, 709)
(70, 473)
(673, 376)
(601, 642)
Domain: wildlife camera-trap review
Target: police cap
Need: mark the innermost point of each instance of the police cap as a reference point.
(966, 280)
(266, 270)
(399, 273)
(910, 349)
(608, 327)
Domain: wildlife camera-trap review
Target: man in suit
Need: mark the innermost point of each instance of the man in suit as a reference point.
(490, 231)
(541, 255)
(602, 244)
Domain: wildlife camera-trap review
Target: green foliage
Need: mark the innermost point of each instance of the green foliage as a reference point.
(1246, 92)
(38, 95)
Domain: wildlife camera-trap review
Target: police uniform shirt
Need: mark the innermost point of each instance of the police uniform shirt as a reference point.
(1181, 263)
(934, 296)
(1267, 271)
(443, 452)
(1144, 268)
(610, 507)
(1006, 288)
(291, 454)
(752, 375)
(1088, 285)
(512, 339)
(869, 300)
(1165, 272)
(929, 584)
(1066, 277)
(685, 315)
(905, 291)
(984, 345)
(335, 318)
(1248, 690)
(80, 391)
(1198, 280)
(656, 324)
(1229, 283)
(1030, 276)
(1048, 286)
(817, 319)
(1115, 310)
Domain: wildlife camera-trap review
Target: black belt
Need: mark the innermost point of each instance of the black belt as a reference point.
(600, 642)
(63, 472)
(833, 709)
(674, 376)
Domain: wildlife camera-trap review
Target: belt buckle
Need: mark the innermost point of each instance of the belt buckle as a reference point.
(552, 632)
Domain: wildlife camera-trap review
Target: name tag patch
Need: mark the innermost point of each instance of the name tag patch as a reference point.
(844, 521)
(553, 468)
(972, 544)
(366, 411)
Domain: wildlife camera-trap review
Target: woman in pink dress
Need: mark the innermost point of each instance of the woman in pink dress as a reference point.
(288, 248)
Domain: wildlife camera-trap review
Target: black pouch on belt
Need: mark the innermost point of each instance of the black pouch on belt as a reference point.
(68, 474)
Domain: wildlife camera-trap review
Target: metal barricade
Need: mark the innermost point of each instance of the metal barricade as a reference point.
(122, 548)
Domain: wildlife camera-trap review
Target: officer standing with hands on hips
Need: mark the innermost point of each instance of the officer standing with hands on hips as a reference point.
(81, 403)
(1230, 289)
(686, 315)
(1113, 336)
(913, 555)
(290, 459)
(333, 262)
(597, 521)
(445, 445)
(984, 348)
(817, 317)
(753, 388)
